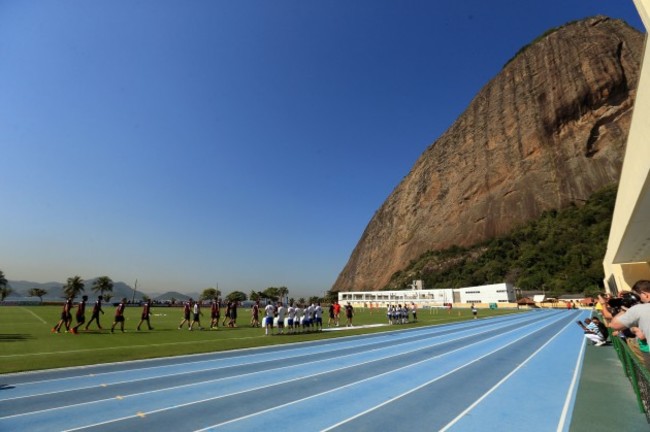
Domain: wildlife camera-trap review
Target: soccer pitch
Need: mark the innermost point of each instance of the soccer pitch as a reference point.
(28, 343)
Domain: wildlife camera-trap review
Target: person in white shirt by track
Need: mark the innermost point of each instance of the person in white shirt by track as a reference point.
(269, 311)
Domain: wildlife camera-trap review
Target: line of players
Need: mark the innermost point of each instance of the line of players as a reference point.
(295, 319)
(399, 314)
(80, 315)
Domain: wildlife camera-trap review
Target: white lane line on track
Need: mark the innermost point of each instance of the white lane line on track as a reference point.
(570, 394)
(113, 348)
(378, 376)
(258, 387)
(236, 377)
(344, 341)
(503, 380)
(288, 352)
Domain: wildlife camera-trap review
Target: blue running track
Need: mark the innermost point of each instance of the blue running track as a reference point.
(516, 372)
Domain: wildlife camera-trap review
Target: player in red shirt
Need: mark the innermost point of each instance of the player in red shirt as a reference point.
(81, 314)
(146, 313)
(119, 315)
(66, 317)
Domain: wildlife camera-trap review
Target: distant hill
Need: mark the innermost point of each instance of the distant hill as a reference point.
(55, 290)
(173, 295)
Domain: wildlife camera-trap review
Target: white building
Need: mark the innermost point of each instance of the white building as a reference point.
(496, 293)
(628, 251)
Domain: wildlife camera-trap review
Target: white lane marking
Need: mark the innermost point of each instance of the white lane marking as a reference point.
(570, 394)
(503, 380)
(269, 385)
(431, 381)
(381, 375)
(235, 377)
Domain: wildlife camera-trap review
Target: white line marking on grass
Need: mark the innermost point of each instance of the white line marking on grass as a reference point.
(37, 317)
(570, 394)
(372, 378)
(503, 380)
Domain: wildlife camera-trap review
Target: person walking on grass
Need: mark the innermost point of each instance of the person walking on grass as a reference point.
(186, 313)
(196, 316)
(80, 315)
(146, 313)
(255, 314)
(119, 315)
(97, 308)
(214, 314)
(474, 311)
(66, 317)
(349, 314)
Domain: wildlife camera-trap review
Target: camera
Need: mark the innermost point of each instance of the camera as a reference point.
(626, 300)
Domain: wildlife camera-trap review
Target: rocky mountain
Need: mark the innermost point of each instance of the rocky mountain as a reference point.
(548, 130)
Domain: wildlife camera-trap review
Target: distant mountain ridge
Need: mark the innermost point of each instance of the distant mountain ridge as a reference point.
(55, 290)
(548, 131)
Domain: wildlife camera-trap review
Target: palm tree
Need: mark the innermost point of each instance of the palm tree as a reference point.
(74, 286)
(4, 289)
(283, 292)
(37, 292)
(103, 284)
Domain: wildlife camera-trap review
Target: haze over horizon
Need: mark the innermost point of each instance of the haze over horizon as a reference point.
(245, 144)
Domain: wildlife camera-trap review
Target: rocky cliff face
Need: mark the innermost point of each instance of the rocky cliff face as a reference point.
(548, 130)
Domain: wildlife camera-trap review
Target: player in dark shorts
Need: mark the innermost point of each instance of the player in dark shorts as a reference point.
(119, 315)
(349, 313)
(255, 314)
(332, 316)
(66, 317)
(196, 315)
(81, 314)
(226, 316)
(215, 312)
(96, 310)
(146, 313)
(233, 314)
(186, 313)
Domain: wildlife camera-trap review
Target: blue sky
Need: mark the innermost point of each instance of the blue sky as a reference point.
(245, 143)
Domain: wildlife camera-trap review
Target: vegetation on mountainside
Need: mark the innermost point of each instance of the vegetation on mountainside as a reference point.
(560, 252)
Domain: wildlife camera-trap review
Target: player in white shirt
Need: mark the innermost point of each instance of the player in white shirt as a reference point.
(282, 311)
(318, 317)
(299, 317)
(291, 315)
(269, 310)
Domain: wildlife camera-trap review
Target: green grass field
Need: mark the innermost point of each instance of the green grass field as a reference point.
(28, 344)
